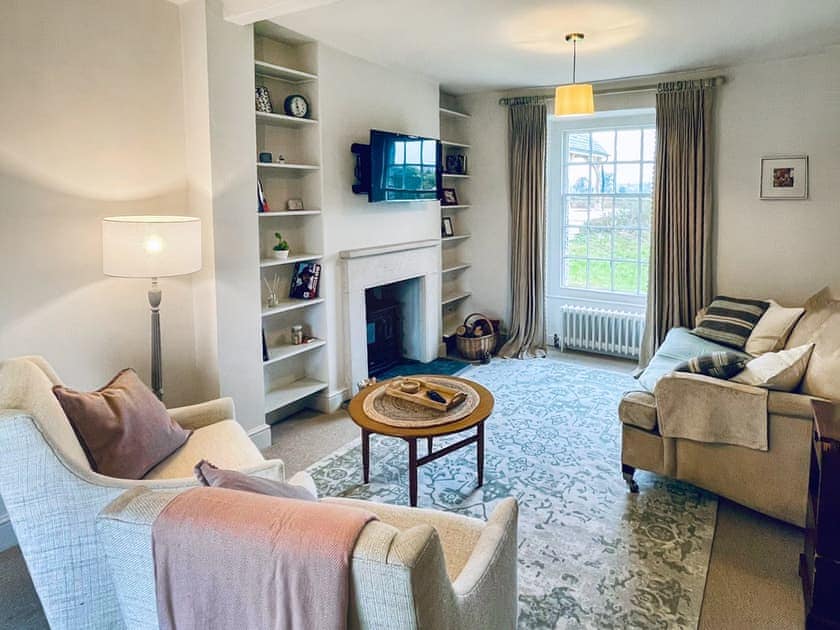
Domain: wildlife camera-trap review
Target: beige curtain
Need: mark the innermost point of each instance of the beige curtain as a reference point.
(527, 126)
(681, 246)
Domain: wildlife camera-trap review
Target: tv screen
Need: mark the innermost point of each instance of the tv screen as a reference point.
(402, 167)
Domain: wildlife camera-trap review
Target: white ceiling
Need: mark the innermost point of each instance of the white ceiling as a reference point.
(475, 45)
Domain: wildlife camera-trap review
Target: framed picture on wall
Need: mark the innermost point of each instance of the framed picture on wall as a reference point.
(784, 177)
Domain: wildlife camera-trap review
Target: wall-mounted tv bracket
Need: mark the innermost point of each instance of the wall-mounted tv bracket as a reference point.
(362, 170)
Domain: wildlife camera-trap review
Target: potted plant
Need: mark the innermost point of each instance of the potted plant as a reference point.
(281, 249)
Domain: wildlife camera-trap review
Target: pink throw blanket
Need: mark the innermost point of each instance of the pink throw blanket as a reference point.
(226, 560)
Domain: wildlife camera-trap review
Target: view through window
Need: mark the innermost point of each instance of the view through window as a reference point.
(601, 174)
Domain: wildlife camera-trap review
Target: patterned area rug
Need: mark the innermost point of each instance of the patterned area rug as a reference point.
(591, 555)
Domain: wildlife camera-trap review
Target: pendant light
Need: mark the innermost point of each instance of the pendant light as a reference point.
(574, 99)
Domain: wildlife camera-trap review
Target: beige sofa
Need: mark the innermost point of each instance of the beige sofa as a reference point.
(775, 481)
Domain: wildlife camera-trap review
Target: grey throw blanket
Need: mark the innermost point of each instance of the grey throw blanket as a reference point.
(228, 560)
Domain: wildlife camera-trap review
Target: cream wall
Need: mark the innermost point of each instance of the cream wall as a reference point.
(355, 96)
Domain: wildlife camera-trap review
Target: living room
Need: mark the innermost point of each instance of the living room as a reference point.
(521, 233)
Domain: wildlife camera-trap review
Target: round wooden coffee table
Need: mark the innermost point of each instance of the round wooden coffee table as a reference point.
(475, 419)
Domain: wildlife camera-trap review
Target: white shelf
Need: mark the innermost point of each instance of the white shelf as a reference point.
(454, 114)
(455, 175)
(284, 121)
(455, 268)
(451, 143)
(292, 392)
(459, 206)
(455, 297)
(273, 262)
(279, 353)
(282, 73)
(287, 166)
(290, 304)
(457, 237)
(287, 213)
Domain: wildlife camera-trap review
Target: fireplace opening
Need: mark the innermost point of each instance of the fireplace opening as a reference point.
(392, 312)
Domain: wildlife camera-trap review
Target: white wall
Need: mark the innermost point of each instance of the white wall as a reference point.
(355, 96)
(781, 249)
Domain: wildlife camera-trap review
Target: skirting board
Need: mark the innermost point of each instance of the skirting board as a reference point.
(7, 534)
(332, 401)
(261, 436)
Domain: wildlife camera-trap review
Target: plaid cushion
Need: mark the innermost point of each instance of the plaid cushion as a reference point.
(730, 320)
(717, 364)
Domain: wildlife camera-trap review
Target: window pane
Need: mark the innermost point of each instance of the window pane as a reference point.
(627, 178)
(626, 277)
(603, 178)
(649, 145)
(646, 213)
(578, 177)
(600, 243)
(626, 212)
(579, 147)
(429, 152)
(575, 243)
(645, 251)
(600, 275)
(603, 146)
(412, 152)
(629, 145)
(644, 279)
(647, 178)
(577, 211)
(626, 244)
(575, 273)
(601, 211)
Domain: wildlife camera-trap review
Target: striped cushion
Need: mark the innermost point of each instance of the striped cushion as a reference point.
(717, 364)
(730, 320)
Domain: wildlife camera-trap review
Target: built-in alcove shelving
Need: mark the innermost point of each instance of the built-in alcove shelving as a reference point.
(455, 249)
(287, 64)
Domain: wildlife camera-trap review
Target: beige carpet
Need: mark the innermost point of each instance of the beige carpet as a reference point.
(752, 580)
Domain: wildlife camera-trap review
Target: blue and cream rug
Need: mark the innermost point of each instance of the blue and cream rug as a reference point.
(591, 555)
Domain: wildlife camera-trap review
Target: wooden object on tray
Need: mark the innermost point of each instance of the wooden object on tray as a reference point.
(819, 564)
(418, 391)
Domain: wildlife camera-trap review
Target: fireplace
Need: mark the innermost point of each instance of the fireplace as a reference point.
(384, 332)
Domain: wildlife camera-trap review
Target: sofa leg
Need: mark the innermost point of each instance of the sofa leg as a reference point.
(627, 472)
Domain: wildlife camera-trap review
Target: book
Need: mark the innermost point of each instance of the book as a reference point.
(262, 202)
(305, 278)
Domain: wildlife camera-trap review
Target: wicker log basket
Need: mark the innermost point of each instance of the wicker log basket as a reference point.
(478, 347)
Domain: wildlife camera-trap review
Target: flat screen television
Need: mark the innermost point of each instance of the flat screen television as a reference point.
(402, 167)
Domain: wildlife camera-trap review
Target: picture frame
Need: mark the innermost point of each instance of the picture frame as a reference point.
(448, 197)
(294, 204)
(784, 177)
(456, 163)
(446, 227)
(305, 277)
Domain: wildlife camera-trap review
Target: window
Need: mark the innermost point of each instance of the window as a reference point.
(600, 184)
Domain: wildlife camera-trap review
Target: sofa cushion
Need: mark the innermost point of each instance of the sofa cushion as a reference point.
(773, 329)
(226, 441)
(822, 378)
(782, 371)
(730, 321)
(679, 345)
(124, 429)
(818, 308)
(717, 364)
(639, 409)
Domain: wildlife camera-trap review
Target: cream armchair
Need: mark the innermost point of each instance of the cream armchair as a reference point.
(53, 496)
(411, 570)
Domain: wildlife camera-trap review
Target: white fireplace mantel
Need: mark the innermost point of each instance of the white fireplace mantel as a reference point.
(370, 267)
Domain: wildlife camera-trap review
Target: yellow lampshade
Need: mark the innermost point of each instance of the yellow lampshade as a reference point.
(574, 99)
(150, 246)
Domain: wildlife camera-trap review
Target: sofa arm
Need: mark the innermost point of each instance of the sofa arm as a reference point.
(194, 417)
(791, 405)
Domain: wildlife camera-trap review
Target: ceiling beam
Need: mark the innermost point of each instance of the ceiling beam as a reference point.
(245, 12)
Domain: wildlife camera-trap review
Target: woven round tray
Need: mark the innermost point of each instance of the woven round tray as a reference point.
(397, 412)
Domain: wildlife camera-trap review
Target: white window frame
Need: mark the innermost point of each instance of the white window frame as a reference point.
(557, 128)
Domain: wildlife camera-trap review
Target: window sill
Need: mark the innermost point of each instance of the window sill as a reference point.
(599, 299)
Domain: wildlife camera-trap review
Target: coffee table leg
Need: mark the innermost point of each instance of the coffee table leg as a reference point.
(480, 453)
(412, 472)
(366, 455)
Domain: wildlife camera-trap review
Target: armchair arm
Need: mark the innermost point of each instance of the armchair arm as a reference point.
(196, 416)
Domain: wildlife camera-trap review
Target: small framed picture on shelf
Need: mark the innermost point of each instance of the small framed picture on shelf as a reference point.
(294, 204)
(446, 228)
(448, 197)
(456, 163)
(784, 177)
(305, 279)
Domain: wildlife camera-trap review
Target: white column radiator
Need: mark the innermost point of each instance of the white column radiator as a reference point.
(604, 331)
